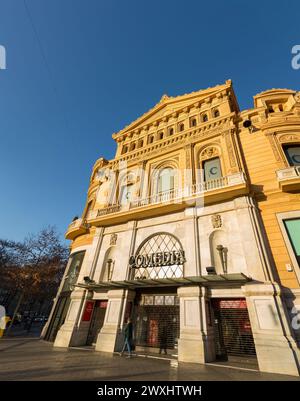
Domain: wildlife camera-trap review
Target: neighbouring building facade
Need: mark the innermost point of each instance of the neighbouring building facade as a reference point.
(193, 230)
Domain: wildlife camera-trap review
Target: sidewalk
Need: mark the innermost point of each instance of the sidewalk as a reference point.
(18, 330)
(33, 359)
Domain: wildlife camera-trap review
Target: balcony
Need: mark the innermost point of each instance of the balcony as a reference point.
(77, 227)
(200, 194)
(289, 178)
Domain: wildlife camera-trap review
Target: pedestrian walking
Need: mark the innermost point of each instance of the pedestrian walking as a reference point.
(128, 337)
(163, 337)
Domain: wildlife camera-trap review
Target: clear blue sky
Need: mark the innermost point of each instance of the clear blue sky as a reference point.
(87, 68)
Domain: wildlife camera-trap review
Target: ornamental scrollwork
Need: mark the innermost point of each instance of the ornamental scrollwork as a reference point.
(289, 138)
(216, 220)
(297, 97)
(209, 152)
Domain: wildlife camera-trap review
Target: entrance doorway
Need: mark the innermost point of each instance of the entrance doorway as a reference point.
(157, 324)
(96, 321)
(233, 334)
(59, 316)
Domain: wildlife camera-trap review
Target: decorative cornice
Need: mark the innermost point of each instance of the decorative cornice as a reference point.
(169, 100)
(194, 132)
(289, 138)
(274, 91)
(283, 121)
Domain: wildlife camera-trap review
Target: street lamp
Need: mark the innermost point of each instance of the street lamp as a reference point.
(223, 251)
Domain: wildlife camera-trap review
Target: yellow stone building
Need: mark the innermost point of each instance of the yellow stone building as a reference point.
(193, 231)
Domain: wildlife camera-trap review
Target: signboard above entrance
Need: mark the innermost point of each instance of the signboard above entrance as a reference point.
(157, 259)
(159, 256)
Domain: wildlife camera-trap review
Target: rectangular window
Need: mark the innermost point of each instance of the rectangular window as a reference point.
(293, 229)
(166, 180)
(127, 194)
(73, 272)
(212, 169)
(292, 153)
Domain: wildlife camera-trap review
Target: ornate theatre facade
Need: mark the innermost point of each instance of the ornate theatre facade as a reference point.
(193, 231)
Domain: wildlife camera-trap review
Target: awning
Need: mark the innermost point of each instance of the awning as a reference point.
(207, 280)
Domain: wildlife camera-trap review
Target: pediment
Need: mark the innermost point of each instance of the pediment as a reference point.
(169, 105)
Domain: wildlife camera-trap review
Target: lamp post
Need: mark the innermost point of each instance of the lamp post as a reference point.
(223, 252)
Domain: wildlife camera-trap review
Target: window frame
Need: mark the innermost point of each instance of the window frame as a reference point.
(204, 118)
(151, 139)
(181, 127)
(216, 113)
(286, 155)
(66, 278)
(193, 122)
(171, 180)
(124, 188)
(281, 217)
(208, 160)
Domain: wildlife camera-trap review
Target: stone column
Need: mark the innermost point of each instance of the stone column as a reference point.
(276, 348)
(74, 332)
(110, 338)
(141, 174)
(196, 341)
(189, 178)
(190, 241)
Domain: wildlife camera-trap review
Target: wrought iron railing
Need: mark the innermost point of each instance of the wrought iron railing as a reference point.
(172, 195)
(75, 224)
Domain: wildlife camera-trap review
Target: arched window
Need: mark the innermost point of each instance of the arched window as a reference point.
(181, 127)
(171, 131)
(216, 113)
(165, 180)
(193, 122)
(160, 135)
(204, 118)
(140, 143)
(159, 256)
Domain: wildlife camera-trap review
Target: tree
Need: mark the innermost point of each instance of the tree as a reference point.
(33, 267)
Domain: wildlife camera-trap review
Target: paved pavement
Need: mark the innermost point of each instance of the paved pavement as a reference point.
(33, 359)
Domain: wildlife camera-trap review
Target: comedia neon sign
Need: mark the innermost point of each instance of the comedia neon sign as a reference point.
(157, 259)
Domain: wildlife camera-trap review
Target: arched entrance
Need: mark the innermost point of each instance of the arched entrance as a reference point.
(160, 256)
(156, 312)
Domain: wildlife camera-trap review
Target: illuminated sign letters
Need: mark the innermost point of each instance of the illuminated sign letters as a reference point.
(157, 259)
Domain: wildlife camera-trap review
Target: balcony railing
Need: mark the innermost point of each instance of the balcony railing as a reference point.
(78, 226)
(75, 224)
(173, 195)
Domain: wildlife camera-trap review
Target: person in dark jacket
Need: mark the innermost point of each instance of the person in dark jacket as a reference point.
(128, 334)
(163, 337)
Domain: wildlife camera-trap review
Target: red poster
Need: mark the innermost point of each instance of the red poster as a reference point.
(103, 304)
(238, 303)
(153, 333)
(89, 306)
